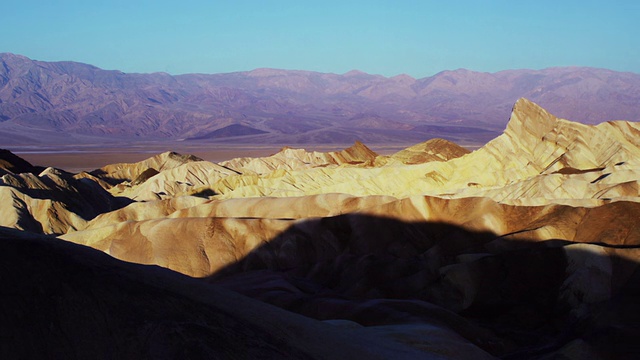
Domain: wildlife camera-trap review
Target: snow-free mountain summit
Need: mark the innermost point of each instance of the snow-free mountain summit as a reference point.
(49, 102)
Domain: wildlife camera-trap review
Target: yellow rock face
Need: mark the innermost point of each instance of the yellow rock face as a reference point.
(130, 171)
(539, 159)
(52, 202)
(300, 159)
(430, 150)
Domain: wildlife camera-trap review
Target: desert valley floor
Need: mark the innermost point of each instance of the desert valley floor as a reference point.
(525, 248)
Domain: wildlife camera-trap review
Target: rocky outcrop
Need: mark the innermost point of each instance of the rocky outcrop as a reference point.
(539, 160)
(131, 171)
(525, 248)
(430, 150)
(187, 179)
(52, 202)
(299, 159)
(524, 165)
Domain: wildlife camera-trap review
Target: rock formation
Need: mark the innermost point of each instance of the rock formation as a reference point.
(52, 202)
(300, 159)
(430, 150)
(132, 172)
(539, 159)
(525, 248)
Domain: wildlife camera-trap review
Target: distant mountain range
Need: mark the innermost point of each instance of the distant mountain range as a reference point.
(49, 102)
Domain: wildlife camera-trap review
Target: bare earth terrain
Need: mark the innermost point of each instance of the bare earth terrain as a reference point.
(527, 247)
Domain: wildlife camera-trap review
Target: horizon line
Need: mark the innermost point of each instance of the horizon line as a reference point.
(355, 71)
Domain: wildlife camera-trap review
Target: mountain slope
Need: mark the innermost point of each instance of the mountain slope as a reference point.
(39, 100)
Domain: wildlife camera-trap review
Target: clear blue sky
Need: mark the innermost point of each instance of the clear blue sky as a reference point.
(419, 38)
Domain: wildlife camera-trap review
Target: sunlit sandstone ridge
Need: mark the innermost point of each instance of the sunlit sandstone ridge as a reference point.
(539, 159)
(496, 252)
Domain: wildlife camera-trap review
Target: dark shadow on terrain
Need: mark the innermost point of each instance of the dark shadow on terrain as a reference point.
(144, 176)
(513, 297)
(102, 175)
(66, 301)
(204, 193)
(420, 284)
(15, 164)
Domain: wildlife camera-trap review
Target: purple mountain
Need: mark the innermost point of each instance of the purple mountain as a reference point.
(43, 102)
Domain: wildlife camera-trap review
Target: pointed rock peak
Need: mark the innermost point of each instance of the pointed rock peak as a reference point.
(437, 141)
(524, 104)
(284, 150)
(359, 145)
(360, 151)
(529, 117)
(290, 152)
(51, 171)
(435, 149)
(440, 145)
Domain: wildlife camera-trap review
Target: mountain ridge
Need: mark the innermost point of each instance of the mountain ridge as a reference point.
(278, 106)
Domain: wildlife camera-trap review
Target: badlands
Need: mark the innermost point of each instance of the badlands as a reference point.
(527, 248)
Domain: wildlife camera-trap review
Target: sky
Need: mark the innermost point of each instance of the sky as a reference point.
(418, 38)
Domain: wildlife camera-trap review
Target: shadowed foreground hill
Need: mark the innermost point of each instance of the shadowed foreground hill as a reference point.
(508, 279)
(514, 296)
(61, 300)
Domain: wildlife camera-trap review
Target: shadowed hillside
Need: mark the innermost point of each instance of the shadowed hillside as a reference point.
(513, 296)
(392, 288)
(65, 301)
